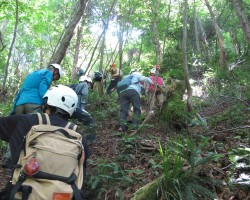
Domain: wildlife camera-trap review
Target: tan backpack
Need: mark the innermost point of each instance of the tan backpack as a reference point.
(50, 167)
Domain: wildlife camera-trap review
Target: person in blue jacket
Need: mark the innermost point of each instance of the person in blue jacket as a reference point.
(30, 96)
(129, 96)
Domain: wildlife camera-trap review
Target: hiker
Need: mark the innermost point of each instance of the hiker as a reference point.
(81, 89)
(30, 96)
(97, 77)
(59, 103)
(131, 95)
(160, 83)
(116, 76)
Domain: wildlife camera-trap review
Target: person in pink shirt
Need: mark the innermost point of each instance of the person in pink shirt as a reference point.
(158, 94)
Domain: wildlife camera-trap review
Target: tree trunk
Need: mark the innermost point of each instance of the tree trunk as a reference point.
(205, 46)
(64, 43)
(77, 51)
(235, 43)
(156, 42)
(219, 36)
(167, 27)
(121, 41)
(196, 33)
(243, 20)
(3, 28)
(10, 51)
(184, 53)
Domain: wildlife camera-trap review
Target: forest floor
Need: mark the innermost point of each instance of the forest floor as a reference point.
(130, 152)
(121, 163)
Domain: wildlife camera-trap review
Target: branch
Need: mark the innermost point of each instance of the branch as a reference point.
(232, 129)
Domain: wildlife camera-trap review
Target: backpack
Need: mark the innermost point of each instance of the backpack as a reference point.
(97, 76)
(124, 84)
(56, 155)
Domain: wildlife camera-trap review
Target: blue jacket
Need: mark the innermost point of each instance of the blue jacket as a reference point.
(82, 90)
(34, 88)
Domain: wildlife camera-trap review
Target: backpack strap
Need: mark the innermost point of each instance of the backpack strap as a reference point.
(43, 118)
(26, 190)
(18, 187)
(71, 126)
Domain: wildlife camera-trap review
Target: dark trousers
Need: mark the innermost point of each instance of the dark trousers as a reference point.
(128, 97)
(113, 84)
(28, 108)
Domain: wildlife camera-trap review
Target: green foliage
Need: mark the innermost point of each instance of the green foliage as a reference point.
(6, 107)
(174, 111)
(108, 175)
(182, 162)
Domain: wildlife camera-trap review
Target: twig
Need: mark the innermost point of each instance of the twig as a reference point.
(232, 129)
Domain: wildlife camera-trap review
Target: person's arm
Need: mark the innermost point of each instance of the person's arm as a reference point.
(145, 79)
(45, 83)
(17, 125)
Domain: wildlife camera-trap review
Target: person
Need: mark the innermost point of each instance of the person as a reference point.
(59, 103)
(116, 76)
(81, 89)
(131, 95)
(97, 78)
(158, 94)
(30, 96)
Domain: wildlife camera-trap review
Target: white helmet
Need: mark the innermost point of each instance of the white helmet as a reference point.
(136, 73)
(57, 67)
(62, 97)
(134, 70)
(152, 71)
(83, 78)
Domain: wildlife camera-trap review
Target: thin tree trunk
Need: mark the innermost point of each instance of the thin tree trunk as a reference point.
(235, 43)
(77, 51)
(10, 51)
(41, 58)
(205, 46)
(184, 53)
(3, 28)
(68, 33)
(167, 27)
(243, 20)
(140, 52)
(196, 32)
(219, 36)
(121, 32)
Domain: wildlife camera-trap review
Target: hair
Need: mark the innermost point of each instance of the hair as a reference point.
(55, 110)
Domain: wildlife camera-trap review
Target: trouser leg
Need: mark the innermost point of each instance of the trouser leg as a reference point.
(136, 102)
(124, 107)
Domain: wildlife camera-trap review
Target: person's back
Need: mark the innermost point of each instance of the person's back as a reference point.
(159, 81)
(116, 76)
(30, 96)
(34, 87)
(81, 89)
(131, 95)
